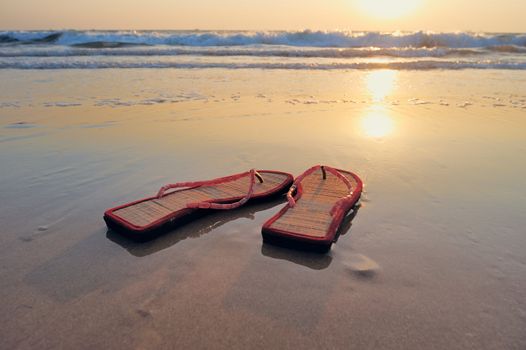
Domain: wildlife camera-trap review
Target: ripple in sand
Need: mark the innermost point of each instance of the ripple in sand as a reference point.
(161, 99)
(308, 101)
(362, 266)
(99, 125)
(20, 125)
(10, 105)
(417, 101)
(464, 104)
(62, 104)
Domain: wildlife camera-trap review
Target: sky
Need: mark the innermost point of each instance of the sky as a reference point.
(382, 15)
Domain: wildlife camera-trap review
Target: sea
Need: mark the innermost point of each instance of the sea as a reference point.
(301, 50)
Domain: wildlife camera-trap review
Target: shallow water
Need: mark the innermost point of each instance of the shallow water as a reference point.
(434, 257)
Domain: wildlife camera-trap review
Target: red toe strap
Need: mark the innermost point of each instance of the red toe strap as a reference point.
(211, 205)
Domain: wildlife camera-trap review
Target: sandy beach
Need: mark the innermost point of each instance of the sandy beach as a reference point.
(434, 259)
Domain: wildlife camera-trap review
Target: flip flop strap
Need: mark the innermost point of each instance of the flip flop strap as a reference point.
(211, 205)
(340, 205)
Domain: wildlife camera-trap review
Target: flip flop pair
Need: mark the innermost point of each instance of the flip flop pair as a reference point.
(318, 201)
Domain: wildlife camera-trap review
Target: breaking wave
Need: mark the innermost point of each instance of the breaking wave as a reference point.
(306, 38)
(247, 51)
(244, 49)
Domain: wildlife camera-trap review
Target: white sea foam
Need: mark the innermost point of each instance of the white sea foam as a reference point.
(399, 65)
(257, 51)
(349, 50)
(305, 38)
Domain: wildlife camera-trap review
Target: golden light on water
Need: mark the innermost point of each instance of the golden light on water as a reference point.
(380, 83)
(377, 123)
(388, 9)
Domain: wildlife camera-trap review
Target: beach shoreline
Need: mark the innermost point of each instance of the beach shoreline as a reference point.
(433, 259)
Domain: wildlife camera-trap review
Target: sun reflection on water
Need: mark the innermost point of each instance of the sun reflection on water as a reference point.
(377, 123)
(376, 120)
(380, 83)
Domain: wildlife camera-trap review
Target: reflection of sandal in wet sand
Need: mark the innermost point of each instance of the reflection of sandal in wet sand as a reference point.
(145, 218)
(323, 196)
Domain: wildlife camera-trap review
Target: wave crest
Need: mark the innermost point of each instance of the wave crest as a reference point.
(398, 65)
(306, 38)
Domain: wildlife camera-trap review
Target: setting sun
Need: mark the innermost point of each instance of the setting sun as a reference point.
(388, 9)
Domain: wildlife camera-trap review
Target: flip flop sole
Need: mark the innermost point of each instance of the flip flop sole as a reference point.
(148, 217)
(310, 222)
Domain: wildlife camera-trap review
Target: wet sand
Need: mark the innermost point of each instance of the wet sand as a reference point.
(435, 257)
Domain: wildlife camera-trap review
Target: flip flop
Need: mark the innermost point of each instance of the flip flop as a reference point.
(322, 198)
(148, 217)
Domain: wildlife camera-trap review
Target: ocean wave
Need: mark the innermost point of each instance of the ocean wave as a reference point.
(306, 38)
(254, 51)
(507, 49)
(398, 65)
(260, 50)
(30, 37)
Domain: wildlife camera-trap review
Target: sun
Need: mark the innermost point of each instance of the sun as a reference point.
(388, 9)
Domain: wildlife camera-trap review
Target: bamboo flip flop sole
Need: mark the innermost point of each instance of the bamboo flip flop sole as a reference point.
(322, 198)
(146, 218)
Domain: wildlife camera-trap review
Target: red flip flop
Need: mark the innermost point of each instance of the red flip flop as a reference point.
(146, 218)
(323, 197)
